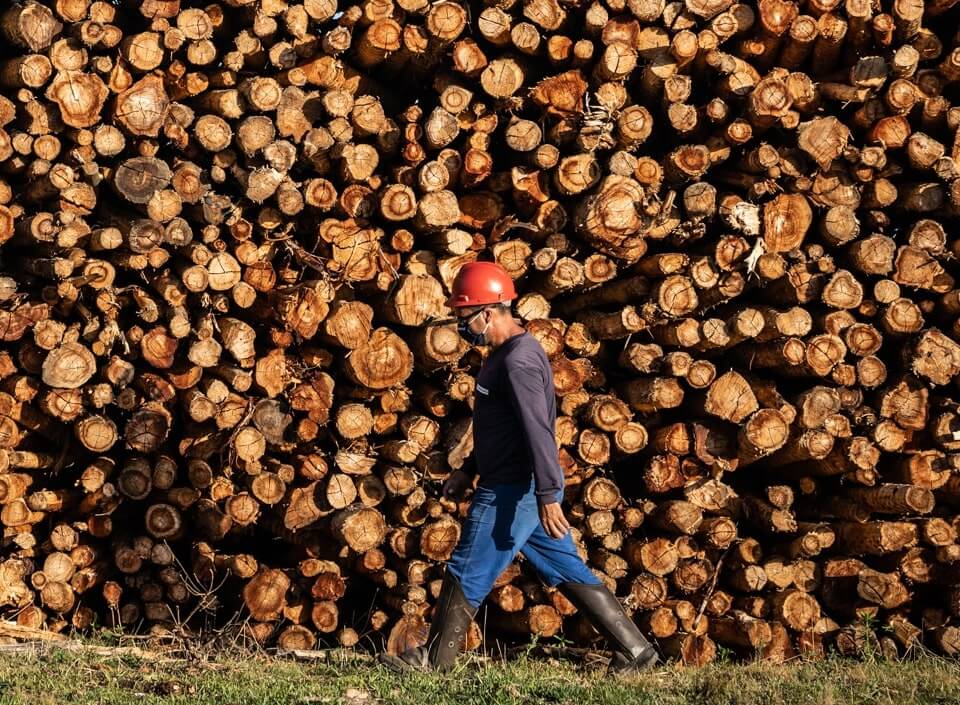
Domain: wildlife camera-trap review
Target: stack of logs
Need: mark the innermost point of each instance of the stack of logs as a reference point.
(228, 381)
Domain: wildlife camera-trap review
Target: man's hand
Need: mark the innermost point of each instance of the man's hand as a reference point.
(456, 485)
(553, 521)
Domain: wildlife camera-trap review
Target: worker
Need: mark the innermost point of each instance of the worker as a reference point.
(516, 506)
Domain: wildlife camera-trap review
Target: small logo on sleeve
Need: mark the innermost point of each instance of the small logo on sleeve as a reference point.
(483, 390)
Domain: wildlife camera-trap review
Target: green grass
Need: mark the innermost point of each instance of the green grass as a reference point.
(58, 677)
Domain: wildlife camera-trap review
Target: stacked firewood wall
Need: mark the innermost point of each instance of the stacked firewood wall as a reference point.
(228, 381)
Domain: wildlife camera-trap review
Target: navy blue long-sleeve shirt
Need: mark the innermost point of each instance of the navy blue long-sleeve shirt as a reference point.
(514, 417)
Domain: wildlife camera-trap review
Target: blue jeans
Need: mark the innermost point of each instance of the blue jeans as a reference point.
(503, 521)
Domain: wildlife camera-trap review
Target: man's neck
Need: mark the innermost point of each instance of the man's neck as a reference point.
(512, 332)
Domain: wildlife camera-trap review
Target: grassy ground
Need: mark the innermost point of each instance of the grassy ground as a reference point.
(57, 677)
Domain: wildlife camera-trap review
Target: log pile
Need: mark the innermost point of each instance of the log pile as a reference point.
(226, 381)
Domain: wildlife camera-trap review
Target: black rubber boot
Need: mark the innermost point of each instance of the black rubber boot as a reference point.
(449, 625)
(632, 652)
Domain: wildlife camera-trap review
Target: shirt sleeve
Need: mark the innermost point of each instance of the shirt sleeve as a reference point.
(528, 397)
(469, 465)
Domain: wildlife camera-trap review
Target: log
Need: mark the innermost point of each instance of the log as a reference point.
(875, 538)
(740, 630)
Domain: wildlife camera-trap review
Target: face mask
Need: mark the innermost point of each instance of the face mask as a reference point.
(463, 327)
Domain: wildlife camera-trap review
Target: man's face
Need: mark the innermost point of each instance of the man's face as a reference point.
(472, 318)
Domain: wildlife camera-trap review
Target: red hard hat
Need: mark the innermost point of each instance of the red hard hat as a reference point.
(481, 283)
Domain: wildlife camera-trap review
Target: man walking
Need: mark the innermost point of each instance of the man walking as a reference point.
(517, 504)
